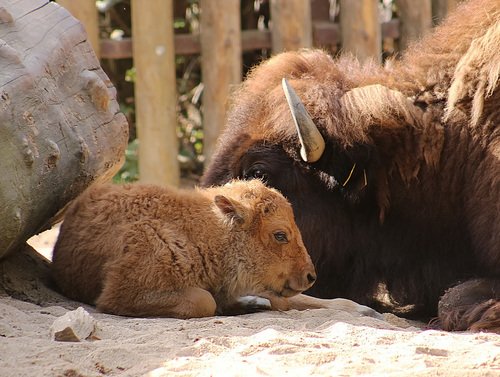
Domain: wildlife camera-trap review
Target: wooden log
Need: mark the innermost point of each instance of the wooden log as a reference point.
(291, 27)
(60, 125)
(86, 12)
(221, 65)
(415, 20)
(360, 29)
(155, 91)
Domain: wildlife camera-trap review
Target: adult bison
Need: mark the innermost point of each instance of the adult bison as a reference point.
(393, 172)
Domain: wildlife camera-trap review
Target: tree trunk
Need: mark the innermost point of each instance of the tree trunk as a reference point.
(60, 125)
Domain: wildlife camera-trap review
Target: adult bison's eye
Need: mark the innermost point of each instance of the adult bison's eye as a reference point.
(256, 172)
(280, 237)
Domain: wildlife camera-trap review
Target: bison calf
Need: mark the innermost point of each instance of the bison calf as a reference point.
(143, 250)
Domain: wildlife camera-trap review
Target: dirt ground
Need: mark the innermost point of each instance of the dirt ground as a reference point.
(325, 342)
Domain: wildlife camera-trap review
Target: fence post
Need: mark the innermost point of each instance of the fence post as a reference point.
(441, 8)
(415, 20)
(221, 63)
(155, 91)
(360, 29)
(86, 12)
(291, 25)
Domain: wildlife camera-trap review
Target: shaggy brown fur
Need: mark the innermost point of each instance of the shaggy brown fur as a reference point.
(473, 305)
(407, 192)
(142, 250)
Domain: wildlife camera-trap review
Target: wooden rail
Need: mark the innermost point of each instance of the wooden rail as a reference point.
(296, 24)
(325, 34)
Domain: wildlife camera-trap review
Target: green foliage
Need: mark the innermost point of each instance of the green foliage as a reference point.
(189, 121)
(129, 172)
(130, 75)
(179, 23)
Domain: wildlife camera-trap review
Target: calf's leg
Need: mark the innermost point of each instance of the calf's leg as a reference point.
(305, 302)
(473, 305)
(143, 282)
(191, 302)
(134, 287)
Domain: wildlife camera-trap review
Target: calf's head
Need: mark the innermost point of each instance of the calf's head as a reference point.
(271, 256)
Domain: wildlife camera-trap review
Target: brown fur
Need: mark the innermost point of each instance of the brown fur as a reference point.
(143, 250)
(473, 305)
(407, 192)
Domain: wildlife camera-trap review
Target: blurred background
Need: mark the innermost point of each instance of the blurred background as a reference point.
(174, 63)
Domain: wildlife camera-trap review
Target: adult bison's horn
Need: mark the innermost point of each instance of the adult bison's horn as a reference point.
(312, 143)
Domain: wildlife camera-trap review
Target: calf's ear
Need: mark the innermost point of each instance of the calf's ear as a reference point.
(231, 210)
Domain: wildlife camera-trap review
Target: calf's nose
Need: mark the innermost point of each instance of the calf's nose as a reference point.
(307, 277)
(303, 280)
(311, 277)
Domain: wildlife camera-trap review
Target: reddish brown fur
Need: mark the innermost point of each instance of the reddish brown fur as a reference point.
(143, 250)
(420, 211)
(473, 305)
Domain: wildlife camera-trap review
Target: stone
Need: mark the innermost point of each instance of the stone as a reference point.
(74, 326)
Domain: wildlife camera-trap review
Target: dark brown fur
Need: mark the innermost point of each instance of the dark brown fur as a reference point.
(143, 250)
(421, 210)
(474, 305)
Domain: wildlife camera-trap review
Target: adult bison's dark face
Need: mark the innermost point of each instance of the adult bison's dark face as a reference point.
(321, 207)
(328, 147)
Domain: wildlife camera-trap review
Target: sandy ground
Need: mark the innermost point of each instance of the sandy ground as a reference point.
(324, 342)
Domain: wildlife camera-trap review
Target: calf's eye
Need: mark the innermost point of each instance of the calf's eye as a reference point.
(280, 237)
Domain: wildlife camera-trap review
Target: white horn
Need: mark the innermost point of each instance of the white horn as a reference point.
(312, 143)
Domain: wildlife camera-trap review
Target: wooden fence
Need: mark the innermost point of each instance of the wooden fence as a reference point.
(295, 24)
